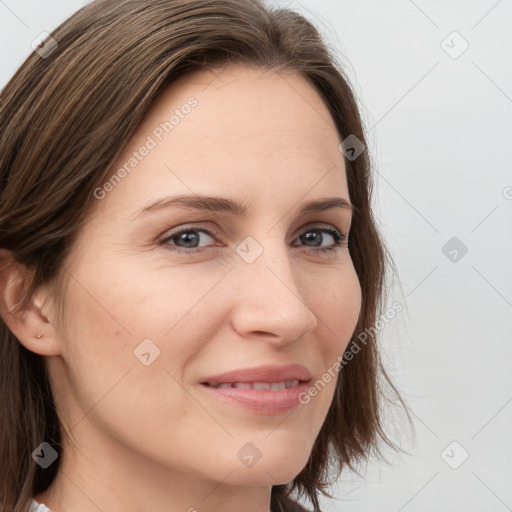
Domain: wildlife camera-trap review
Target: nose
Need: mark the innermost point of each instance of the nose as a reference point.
(268, 303)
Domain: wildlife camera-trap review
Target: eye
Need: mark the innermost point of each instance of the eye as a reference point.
(340, 239)
(187, 240)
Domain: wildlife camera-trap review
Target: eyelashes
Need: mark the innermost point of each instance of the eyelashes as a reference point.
(340, 239)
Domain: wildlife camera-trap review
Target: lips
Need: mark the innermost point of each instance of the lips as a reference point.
(262, 390)
(273, 386)
(266, 374)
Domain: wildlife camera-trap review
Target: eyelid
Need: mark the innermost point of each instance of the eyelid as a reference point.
(186, 227)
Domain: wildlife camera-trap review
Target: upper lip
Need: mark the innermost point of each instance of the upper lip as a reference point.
(264, 373)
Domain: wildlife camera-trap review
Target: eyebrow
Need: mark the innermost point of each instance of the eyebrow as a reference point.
(222, 204)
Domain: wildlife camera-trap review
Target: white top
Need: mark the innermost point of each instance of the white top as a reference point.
(38, 507)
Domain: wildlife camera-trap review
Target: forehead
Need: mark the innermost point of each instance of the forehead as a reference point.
(241, 132)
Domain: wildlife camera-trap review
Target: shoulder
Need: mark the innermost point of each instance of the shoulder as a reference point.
(38, 507)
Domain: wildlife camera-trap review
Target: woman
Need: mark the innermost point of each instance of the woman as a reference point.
(188, 261)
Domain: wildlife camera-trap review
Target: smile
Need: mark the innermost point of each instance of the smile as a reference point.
(263, 398)
(274, 386)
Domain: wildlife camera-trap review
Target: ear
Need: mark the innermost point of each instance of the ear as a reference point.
(24, 316)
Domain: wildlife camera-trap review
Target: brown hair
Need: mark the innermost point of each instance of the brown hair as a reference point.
(64, 121)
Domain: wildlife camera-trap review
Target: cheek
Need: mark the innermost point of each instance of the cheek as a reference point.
(108, 384)
(338, 310)
(97, 344)
(120, 305)
(117, 315)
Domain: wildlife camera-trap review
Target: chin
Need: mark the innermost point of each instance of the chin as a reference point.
(270, 475)
(277, 467)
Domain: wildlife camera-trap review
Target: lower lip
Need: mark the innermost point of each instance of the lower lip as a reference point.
(262, 401)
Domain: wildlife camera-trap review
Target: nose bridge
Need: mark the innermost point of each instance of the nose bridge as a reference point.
(266, 258)
(268, 298)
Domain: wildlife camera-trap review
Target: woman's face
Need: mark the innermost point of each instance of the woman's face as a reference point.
(152, 314)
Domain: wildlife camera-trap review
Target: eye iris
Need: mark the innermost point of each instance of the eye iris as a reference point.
(313, 236)
(189, 237)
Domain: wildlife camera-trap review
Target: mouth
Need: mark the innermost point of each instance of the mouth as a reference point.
(262, 398)
(272, 386)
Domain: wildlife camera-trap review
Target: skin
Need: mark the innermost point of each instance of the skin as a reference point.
(146, 437)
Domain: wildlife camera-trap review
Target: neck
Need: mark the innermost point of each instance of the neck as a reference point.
(114, 478)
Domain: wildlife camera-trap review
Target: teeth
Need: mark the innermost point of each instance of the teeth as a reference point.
(260, 385)
(274, 386)
(242, 385)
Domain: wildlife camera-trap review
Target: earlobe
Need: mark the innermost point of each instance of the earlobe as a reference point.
(22, 315)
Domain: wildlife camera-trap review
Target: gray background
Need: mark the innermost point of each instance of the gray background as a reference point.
(440, 130)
